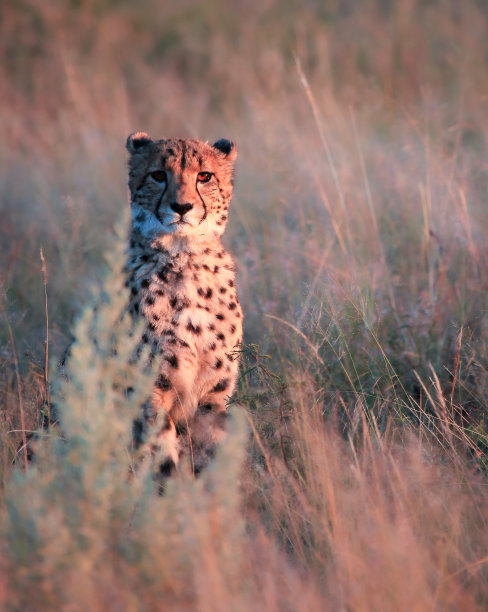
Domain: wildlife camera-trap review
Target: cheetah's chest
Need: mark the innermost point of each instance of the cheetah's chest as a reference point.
(190, 304)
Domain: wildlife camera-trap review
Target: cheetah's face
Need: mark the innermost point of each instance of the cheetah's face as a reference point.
(180, 187)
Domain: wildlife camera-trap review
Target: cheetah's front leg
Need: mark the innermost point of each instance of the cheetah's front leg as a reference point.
(169, 413)
(155, 438)
(208, 427)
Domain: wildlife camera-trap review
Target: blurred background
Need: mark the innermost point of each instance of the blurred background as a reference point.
(359, 227)
(359, 217)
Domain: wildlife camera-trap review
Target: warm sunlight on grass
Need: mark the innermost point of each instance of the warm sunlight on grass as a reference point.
(354, 475)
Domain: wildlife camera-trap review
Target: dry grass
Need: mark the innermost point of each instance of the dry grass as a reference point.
(359, 226)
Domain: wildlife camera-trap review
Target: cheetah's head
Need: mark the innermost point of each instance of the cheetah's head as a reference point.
(180, 186)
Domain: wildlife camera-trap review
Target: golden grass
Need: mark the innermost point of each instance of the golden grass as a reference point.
(359, 227)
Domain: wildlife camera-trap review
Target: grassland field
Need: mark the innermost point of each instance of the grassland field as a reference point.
(355, 472)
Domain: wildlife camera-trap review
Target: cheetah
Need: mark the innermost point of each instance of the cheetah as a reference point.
(182, 283)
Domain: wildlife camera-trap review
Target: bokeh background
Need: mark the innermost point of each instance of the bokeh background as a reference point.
(359, 226)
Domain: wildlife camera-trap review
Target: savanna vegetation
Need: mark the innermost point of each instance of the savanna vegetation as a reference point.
(354, 476)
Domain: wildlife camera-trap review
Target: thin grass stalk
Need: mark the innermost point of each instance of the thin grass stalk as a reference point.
(47, 391)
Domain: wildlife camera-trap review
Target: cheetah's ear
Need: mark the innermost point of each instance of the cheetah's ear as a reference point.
(137, 141)
(227, 147)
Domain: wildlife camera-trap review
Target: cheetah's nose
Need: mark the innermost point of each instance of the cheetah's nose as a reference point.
(181, 209)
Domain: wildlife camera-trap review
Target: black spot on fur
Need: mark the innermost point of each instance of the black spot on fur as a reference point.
(181, 428)
(222, 289)
(195, 329)
(173, 302)
(220, 336)
(167, 467)
(232, 305)
(137, 432)
(151, 326)
(163, 274)
(231, 283)
(155, 316)
(150, 300)
(172, 360)
(232, 329)
(134, 290)
(213, 346)
(145, 338)
(211, 327)
(145, 283)
(208, 294)
(183, 157)
(205, 408)
(222, 385)
(218, 364)
(163, 383)
(219, 316)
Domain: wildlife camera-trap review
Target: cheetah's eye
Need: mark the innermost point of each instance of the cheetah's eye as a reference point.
(159, 176)
(204, 177)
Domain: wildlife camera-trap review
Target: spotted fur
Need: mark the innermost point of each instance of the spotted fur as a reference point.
(182, 282)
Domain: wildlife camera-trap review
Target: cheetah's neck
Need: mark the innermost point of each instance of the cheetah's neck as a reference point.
(174, 245)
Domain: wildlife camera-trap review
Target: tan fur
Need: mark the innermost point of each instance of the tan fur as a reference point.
(182, 282)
